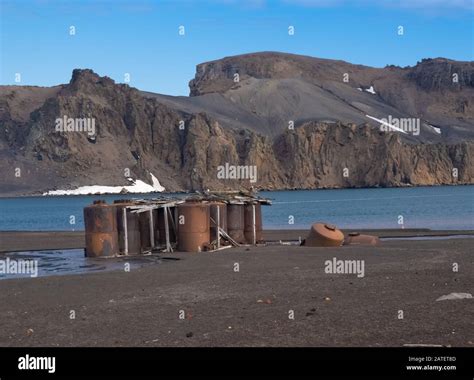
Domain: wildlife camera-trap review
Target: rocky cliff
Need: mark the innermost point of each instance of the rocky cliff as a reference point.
(185, 142)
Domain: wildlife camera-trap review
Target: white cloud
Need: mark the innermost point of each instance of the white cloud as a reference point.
(407, 4)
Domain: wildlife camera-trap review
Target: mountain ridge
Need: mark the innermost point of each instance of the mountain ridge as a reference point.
(182, 140)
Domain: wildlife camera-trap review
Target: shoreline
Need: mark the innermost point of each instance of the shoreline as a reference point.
(257, 190)
(18, 241)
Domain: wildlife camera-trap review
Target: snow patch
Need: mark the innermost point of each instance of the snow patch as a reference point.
(359, 89)
(156, 184)
(437, 130)
(137, 186)
(371, 90)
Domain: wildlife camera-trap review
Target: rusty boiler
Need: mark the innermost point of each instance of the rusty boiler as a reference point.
(236, 222)
(101, 230)
(324, 235)
(129, 232)
(218, 219)
(355, 238)
(253, 223)
(193, 226)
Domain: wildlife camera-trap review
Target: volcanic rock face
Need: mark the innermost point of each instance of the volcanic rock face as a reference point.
(185, 142)
(357, 156)
(276, 88)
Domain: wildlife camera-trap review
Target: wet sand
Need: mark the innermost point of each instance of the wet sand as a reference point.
(251, 307)
(12, 241)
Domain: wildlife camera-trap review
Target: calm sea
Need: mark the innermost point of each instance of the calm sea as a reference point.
(443, 207)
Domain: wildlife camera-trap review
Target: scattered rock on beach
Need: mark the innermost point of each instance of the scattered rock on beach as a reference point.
(455, 296)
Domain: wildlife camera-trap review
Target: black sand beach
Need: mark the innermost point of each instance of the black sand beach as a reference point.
(250, 307)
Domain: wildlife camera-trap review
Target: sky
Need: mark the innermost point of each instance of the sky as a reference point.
(142, 38)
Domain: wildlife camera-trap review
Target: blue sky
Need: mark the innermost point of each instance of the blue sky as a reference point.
(141, 37)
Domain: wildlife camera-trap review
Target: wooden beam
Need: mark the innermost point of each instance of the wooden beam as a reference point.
(167, 231)
(254, 225)
(218, 226)
(125, 230)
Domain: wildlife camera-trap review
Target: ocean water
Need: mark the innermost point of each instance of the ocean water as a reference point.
(441, 207)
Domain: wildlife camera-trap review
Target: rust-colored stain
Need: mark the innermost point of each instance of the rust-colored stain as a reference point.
(236, 222)
(101, 230)
(249, 220)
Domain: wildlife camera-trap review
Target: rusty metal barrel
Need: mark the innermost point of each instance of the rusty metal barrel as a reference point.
(218, 218)
(236, 222)
(101, 230)
(193, 226)
(324, 235)
(355, 238)
(128, 233)
(253, 223)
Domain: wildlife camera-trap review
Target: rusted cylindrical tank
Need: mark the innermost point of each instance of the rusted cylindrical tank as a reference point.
(129, 234)
(324, 235)
(253, 223)
(161, 225)
(218, 216)
(193, 226)
(235, 222)
(355, 238)
(101, 230)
